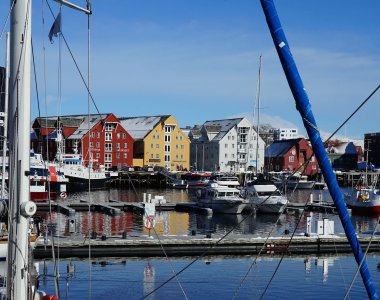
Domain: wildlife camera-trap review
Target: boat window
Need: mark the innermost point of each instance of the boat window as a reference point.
(221, 194)
(229, 194)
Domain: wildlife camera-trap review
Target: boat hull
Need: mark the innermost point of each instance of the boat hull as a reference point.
(77, 184)
(225, 206)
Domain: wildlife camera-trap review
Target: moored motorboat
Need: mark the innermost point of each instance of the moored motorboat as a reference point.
(221, 199)
(265, 197)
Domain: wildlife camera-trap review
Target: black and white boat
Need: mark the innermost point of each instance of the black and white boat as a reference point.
(80, 176)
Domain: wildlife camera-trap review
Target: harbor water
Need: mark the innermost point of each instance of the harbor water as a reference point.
(307, 277)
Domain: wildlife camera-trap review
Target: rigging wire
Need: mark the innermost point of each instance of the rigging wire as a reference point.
(7, 18)
(361, 262)
(75, 62)
(347, 119)
(175, 274)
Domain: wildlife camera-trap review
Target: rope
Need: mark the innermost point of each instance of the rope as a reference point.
(7, 18)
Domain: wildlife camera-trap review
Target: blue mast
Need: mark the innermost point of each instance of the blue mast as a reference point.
(304, 108)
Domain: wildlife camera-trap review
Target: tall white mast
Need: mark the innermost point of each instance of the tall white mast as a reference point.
(5, 135)
(19, 144)
(258, 115)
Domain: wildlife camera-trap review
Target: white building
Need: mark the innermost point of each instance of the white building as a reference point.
(226, 146)
(285, 134)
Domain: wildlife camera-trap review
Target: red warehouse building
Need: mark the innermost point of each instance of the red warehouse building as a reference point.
(100, 137)
(289, 155)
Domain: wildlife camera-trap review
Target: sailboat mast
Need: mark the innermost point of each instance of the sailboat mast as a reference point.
(19, 144)
(304, 108)
(5, 134)
(258, 114)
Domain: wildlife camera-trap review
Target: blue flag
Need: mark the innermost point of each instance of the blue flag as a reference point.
(55, 28)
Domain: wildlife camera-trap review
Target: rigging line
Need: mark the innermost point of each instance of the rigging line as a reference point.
(200, 256)
(262, 248)
(75, 62)
(287, 247)
(364, 257)
(355, 111)
(35, 80)
(161, 245)
(89, 143)
(7, 18)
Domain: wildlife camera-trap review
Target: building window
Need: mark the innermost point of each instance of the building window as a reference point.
(314, 167)
(233, 146)
(125, 155)
(117, 145)
(108, 136)
(291, 158)
(157, 155)
(92, 134)
(98, 135)
(225, 155)
(109, 126)
(97, 145)
(151, 155)
(167, 148)
(233, 138)
(167, 138)
(151, 146)
(176, 146)
(107, 157)
(167, 158)
(124, 135)
(182, 147)
(118, 135)
(167, 129)
(176, 156)
(125, 145)
(91, 144)
(108, 147)
(97, 155)
(233, 155)
(181, 156)
(226, 146)
(157, 146)
(117, 155)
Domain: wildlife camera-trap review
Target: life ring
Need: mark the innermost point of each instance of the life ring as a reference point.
(63, 195)
(149, 222)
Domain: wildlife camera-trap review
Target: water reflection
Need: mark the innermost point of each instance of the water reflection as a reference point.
(178, 223)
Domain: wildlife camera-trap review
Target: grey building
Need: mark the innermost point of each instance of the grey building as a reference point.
(226, 145)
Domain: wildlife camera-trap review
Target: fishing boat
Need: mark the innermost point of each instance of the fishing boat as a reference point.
(47, 181)
(81, 176)
(222, 199)
(364, 200)
(265, 197)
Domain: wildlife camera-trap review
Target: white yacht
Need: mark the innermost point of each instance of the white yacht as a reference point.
(222, 199)
(226, 180)
(265, 197)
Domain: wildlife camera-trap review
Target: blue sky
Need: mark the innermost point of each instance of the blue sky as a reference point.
(198, 60)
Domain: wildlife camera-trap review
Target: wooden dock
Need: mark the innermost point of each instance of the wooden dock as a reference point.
(114, 207)
(144, 246)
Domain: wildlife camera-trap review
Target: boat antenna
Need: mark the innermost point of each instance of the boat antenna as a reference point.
(304, 108)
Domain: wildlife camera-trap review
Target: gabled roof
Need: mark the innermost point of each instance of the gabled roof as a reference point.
(221, 127)
(279, 148)
(47, 122)
(85, 125)
(139, 127)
